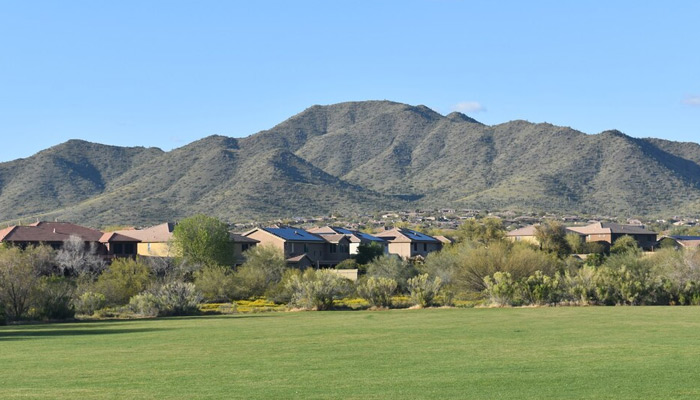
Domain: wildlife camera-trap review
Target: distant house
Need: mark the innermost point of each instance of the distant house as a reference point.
(322, 251)
(240, 245)
(608, 233)
(526, 234)
(154, 241)
(444, 239)
(407, 243)
(356, 238)
(54, 234)
(681, 241)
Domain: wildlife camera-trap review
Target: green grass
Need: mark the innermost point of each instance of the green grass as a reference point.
(537, 353)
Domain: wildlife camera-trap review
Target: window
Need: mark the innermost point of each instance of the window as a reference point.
(245, 246)
(425, 246)
(118, 248)
(129, 248)
(334, 248)
(306, 248)
(415, 246)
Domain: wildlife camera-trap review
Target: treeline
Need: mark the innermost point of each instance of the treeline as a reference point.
(481, 268)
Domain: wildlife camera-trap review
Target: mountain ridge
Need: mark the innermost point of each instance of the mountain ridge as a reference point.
(354, 157)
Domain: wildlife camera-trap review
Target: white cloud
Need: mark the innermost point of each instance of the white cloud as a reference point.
(468, 107)
(692, 101)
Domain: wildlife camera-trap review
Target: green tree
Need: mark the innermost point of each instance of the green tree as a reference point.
(261, 272)
(122, 280)
(484, 231)
(18, 276)
(203, 240)
(368, 252)
(216, 283)
(625, 244)
(552, 238)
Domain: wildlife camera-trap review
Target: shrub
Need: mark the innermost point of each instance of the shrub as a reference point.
(500, 288)
(392, 267)
(52, 298)
(147, 304)
(424, 290)
(316, 290)
(367, 252)
(18, 276)
(216, 284)
(262, 272)
(541, 289)
(579, 286)
(377, 291)
(179, 298)
(89, 302)
(122, 280)
(347, 264)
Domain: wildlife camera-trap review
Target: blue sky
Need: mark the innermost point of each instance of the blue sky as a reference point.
(165, 73)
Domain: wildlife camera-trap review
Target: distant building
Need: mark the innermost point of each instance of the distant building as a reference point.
(608, 232)
(301, 247)
(356, 238)
(407, 243)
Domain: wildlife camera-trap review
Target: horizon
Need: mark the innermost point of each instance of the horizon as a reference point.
(164, 74)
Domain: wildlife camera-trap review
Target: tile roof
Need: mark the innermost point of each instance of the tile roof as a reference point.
(116, 237)
(354, 236)
(156, 234)
(609, 228)
(49, 232)
(406, 235)
(235, 237)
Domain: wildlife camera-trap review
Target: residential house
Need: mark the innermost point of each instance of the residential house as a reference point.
(356, 238)
(154, 241)
(676, 241)
(608, 232)
(54, 234)
(301, 247)
(407, 243)
(240, 245)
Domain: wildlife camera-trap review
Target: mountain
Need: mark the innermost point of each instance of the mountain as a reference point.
(353, 157)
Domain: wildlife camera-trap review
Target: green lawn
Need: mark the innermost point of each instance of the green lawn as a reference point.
(557, 353)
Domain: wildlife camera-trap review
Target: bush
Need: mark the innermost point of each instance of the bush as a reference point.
(541, 289)
(52, 298)
(316, 290)
(579, 286)
(347, 264)
(216, 284)
(424, 290)
(500, 288)
(147, 304)
(377, 291)
(122, 280)
(392, 267)
(179, 298)
(89, 302)
(367, 252)
(175, 298)
(262, 272)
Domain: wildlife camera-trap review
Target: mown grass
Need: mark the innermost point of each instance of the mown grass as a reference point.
(537, 353)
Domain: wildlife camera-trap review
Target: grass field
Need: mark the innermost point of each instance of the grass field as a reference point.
(537, 353)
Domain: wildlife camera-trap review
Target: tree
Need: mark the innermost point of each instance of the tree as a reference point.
(368, 252)
(122, 280)
(262, 270)
(552, 238)
(77, 258)
(489, 229)
(203, 240)
(625, 244)
(216, 283)
(18, 277)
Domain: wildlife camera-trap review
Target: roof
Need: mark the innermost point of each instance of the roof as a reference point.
(334, 238)
(108, 237)
(235, 237)
(298, 258)
(529, 230)
(611, 228)
(687, 241)
(354, 236)
(49, 232)
(156, 234)
(406, 235)
(444, 239)
(294, 234)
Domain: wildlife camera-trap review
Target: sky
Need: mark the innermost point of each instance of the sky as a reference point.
(166, 73)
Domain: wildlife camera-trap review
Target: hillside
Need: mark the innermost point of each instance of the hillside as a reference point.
(357, 156)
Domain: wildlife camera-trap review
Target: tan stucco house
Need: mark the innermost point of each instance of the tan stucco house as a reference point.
(407, 243)
(296, 242)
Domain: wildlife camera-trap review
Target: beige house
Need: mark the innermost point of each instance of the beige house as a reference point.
(407, 243)
(154, 241)
(526, 234)
(609, 232)
(298, 244)
(240, 245)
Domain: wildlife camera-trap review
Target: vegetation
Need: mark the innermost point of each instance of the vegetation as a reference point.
(203, 240)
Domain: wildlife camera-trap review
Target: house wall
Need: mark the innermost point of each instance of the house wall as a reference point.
(342, 252)
(402, 250)
(238, 250)
(154, 250)
(315, 251)
(526, 239)
(268, 239)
